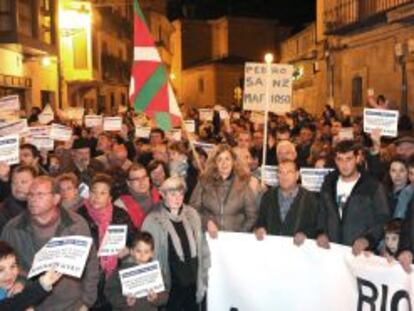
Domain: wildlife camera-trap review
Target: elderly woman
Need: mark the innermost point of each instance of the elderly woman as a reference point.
(99, 213)
(180, 247)
(223, 195)
(68, 189)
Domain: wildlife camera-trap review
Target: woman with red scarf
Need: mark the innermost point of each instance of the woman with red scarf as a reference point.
(99, 213)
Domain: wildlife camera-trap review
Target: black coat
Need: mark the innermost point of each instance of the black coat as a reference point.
(407, 229)
(119, 217)
(10, 208)
(31, 295)
(301, 217)
(365, 212)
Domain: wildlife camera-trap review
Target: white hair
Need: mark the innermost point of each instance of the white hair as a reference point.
(173, 183)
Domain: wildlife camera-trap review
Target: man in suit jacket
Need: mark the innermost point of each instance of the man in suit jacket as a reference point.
(289, 209)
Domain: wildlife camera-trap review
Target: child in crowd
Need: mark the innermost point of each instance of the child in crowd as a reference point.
(12, 299)
(141, 252)
(392, 237)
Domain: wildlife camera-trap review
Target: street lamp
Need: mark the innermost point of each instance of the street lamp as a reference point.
(268, 60)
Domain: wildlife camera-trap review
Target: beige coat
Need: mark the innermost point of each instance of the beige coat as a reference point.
(230, 204)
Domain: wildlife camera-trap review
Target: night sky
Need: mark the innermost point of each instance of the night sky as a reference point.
(295, 13)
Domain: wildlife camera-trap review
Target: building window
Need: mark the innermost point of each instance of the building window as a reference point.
(201, 85)
(5, 15)
(357, 92)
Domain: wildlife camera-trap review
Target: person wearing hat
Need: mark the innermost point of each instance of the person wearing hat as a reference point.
(405, 146)
(80, 162)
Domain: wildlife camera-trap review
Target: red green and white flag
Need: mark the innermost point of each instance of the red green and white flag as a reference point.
(150, 90)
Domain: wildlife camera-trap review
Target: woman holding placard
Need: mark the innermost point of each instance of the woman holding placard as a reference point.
(99, 213)
(180, 247)
(223, 195)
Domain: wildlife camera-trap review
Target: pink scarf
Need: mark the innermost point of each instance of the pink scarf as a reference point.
(103, 218)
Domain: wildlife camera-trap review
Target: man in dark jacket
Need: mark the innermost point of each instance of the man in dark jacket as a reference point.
(288, 209)
(353, 206)
(33, 228)
(16, 202)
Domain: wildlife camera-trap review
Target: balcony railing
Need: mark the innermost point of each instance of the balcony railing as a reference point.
(344, 15)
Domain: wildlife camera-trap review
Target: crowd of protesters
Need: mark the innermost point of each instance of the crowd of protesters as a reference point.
(170, 194)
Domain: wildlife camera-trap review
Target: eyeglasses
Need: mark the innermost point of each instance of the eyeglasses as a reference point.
(140, 179)
(40, 195)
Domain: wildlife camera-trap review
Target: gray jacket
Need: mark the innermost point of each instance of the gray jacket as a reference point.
(156, 224)
(230, 204)
(69, 293)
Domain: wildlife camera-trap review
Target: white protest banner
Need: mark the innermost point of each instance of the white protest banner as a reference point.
(41, 143)
(312, 178)
(142, 132)
(10, 103)
(66, 255)
(14, 127)
(255, 79)
(140, 280)
(190, 126)
(270, 175)
(385, 120)
(112, 124)
(39, 131)
(114, 240)
(205, 146)
(93, 121)
(60, 132)
(9, 149)
(206, 114)
(287, 277)
(346, 133)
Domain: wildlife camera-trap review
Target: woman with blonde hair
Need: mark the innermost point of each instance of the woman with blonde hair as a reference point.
(223, 195)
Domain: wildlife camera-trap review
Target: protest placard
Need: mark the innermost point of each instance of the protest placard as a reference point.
(176, 134)
(39, 131)
(206, 114)
(312, 178)
(270, 175)
(138, 281)
(93, 121)
(205, 146)
(280, 87)
(346, 133)
(385, 120)
(113, 241)
(66, 255)
(41, 143)
(60, 132)
(9, 149)
(47, 115)
(190, 126)
(112, 124)
(14, 127)
(142, 132)
(10, 103)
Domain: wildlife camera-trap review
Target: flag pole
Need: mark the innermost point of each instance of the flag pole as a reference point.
(268, 60)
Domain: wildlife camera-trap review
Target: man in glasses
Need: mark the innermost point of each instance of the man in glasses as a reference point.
(141, 197)
(33, 228)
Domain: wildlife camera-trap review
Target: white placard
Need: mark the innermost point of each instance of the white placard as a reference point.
(112, 124)
(14, 127)
(10, 103)
(93, 121)
(280, 88)
(385, 120)
(190, 126)
(142, 132)
(39, 131)
(114, 240)
(47, 115)
(140, 280)
(176, 134)
(346, 133)
(270, 175)
(66, 255)
(312, 178)
(309, 278)
(41, 143)
(9, 149)
(60, 132)
(205, 146)
(206, 114)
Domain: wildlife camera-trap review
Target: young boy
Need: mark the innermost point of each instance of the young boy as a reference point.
(141, 252)
(392, 237)
(12, 295)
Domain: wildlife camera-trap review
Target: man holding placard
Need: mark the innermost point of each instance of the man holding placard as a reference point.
(31, 230)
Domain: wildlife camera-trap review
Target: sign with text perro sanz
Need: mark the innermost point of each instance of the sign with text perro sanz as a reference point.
(278, 84)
